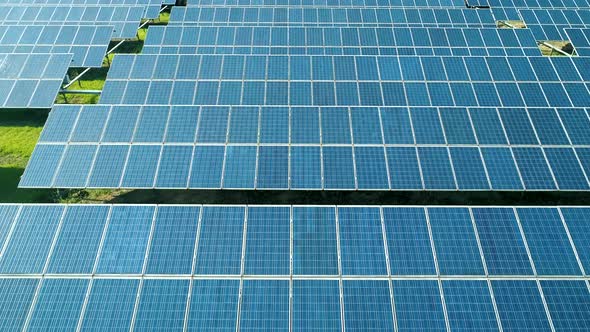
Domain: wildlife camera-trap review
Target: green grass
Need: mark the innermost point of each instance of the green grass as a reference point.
(19, 132)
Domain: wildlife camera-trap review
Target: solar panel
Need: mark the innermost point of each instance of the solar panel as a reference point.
(110, 304)
(503, 89)
(124, 18)
(232, 266)
(548, 241)
(418, 305)
(520, 305)
(88, 44)
(17, 295)
(59, 304)
(568, 301)
(302, 148)
(265, 305)
(339, 41)
(162, 305)
(31, 80)
(248, 13)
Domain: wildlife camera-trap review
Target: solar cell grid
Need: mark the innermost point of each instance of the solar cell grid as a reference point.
(124, 18)
(259, 14)
(119, 298)
(310, 148)
(88, 44)
(31, 80)
(503, 89)
(335, 40)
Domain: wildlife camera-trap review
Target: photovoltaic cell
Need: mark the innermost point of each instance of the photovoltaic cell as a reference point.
(548, 242)
(314, 241)
(408, 242)
(126, 240)
(520, 305)
(268, 241)
(316, 305)
(418, 305)
(501, 242)
(81, 231)
(59, 304)
(568, 302)
(213, 305)
(173, 240)
(362, 252)
(265, 305)
(220, 240)
(162, 305)
(472, 294)
(576, 220)
(367, 305)
(31, 239)
(454, 239)
(111, 304)
(17, 296)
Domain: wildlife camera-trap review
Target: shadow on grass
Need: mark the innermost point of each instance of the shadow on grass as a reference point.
(23, 117)
(351, 197)
(9, 193)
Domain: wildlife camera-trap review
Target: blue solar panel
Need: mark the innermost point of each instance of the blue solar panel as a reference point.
(220, 240)
(367, 305)
(265, 305)
(314, 241)
(88, 44)
(568, 302)
(80, 232)
(520, 305)
(58, 304)
(501, 242)
(268, 241)
(548, 242)
(162, 305)
(16, 298)
(316, 305)
(7, 216)
(173, 240)
(437, 172)
(31, 80)
(126, 240)
(361, 241)
(454, 239)
(501, 168)
(472, 294)
(137, 240)
(110, 304)
(213, 305)
(576, 220)
(469, 169)
(408, 242)
(418, 305)
(31, 239)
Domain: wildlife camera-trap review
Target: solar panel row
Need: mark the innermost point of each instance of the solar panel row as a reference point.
(216, 305)
(323, 241)
(88, 44)
(339, 41)
(312, 148)
(329, 3)
(245, 15)
(125, 19)
(349, 80)
(508, 250)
